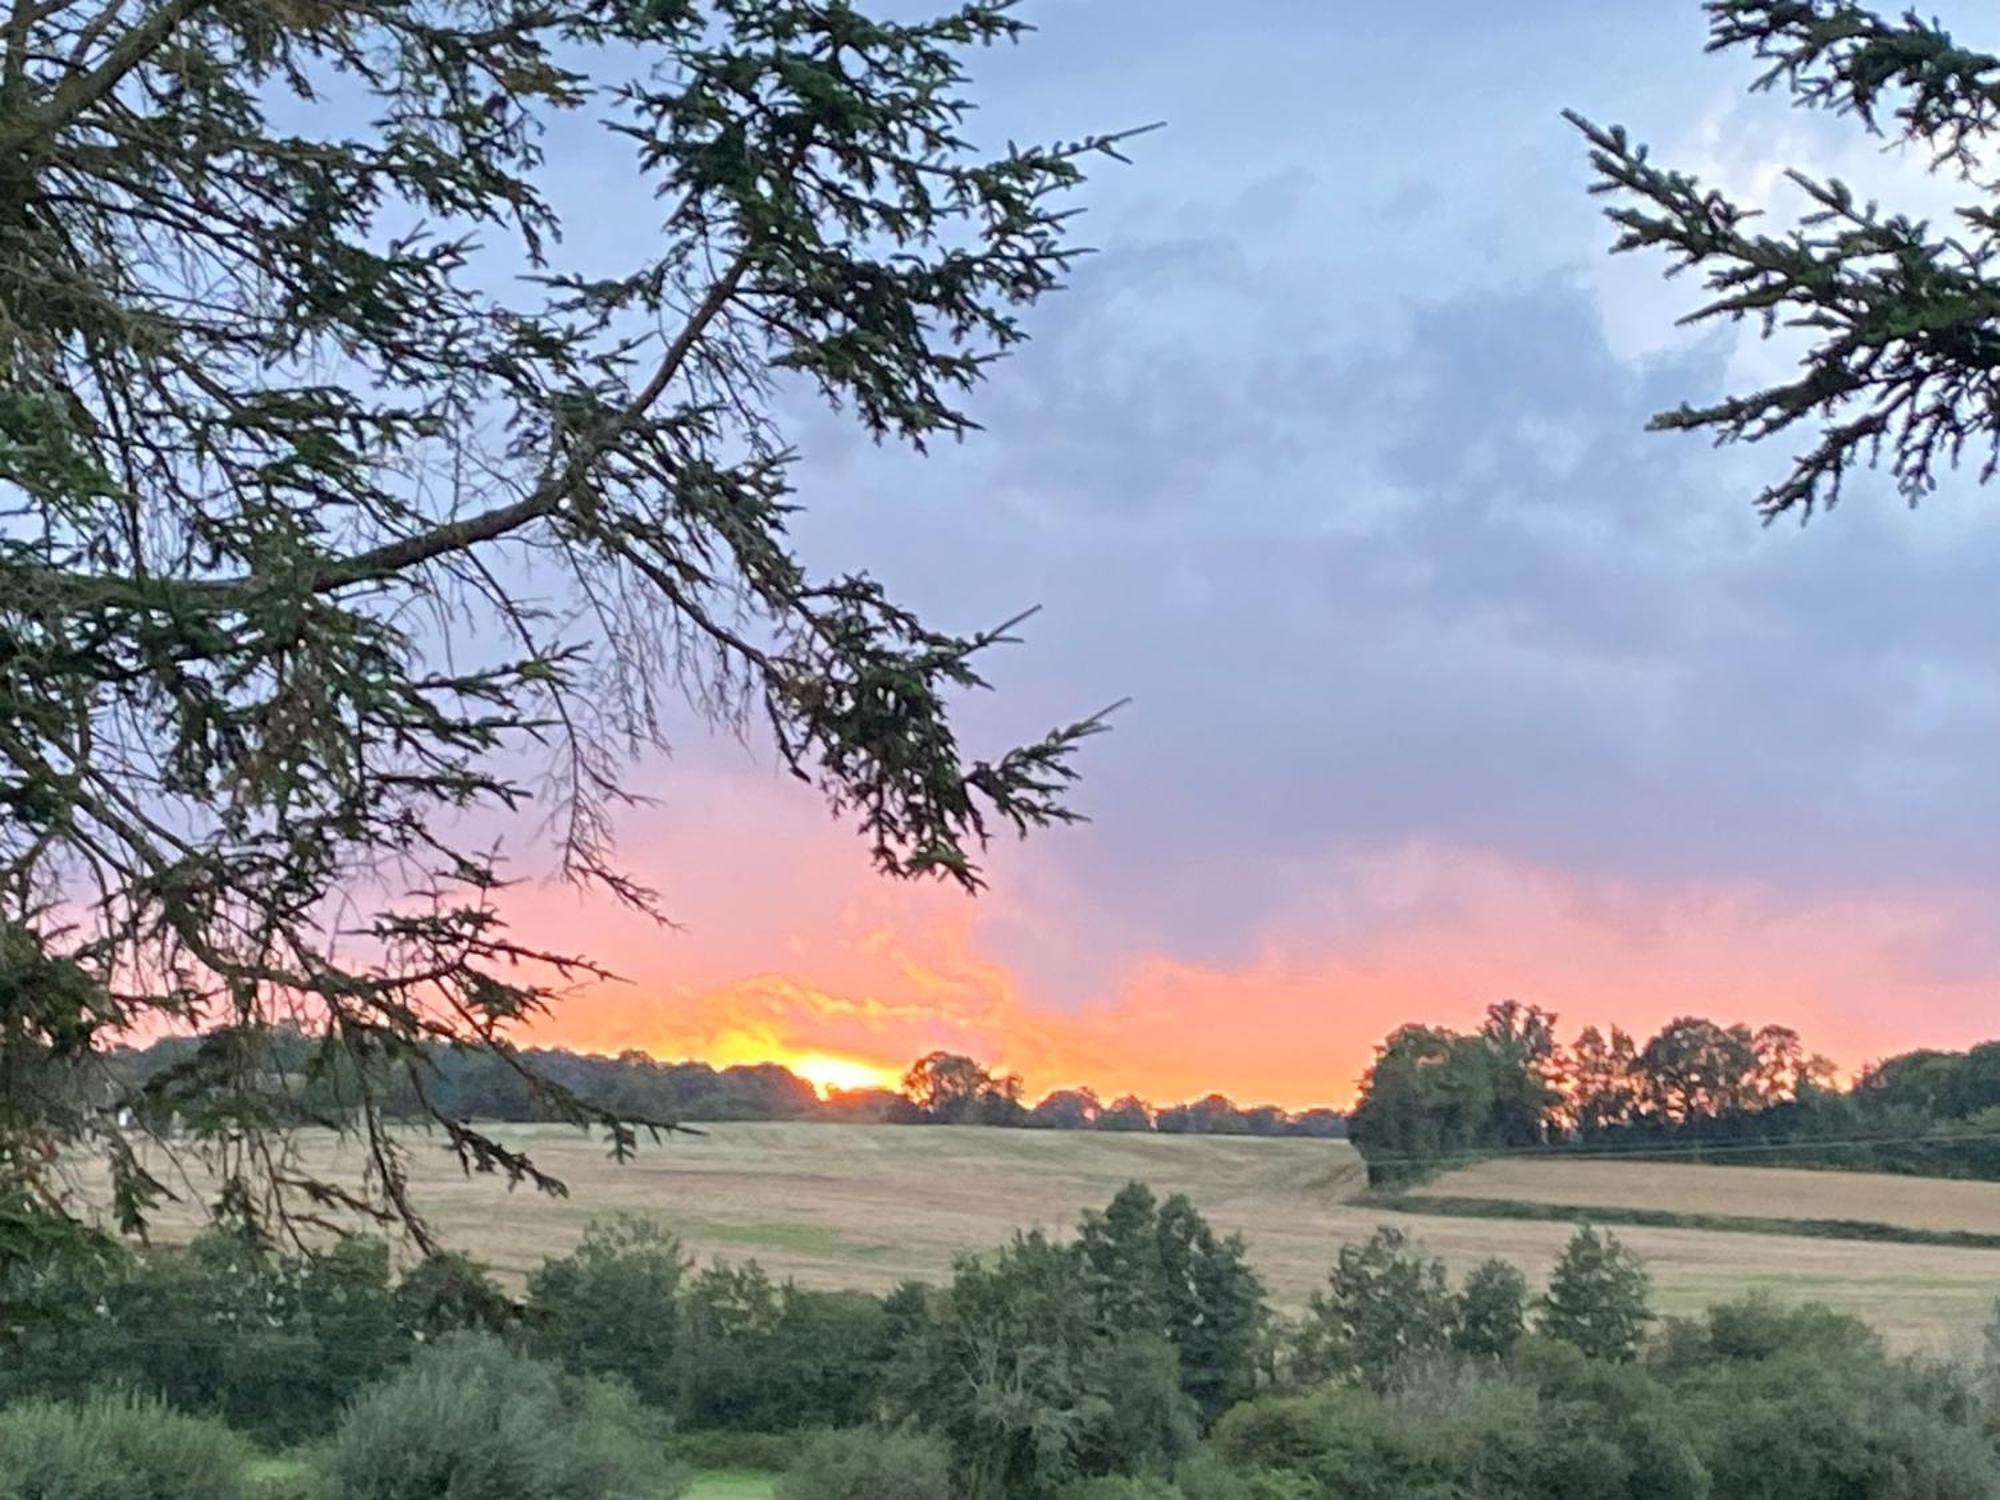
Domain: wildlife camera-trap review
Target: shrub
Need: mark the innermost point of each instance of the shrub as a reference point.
(117, 1447)
(1122, 1487)
(1597, 1297)
(868, 1464)
(472, 1420)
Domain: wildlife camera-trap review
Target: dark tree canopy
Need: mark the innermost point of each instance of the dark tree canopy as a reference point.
(1900, 317)
(320, 530)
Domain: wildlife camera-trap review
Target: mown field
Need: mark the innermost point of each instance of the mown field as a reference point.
(1761, 1192)
(868, 1206)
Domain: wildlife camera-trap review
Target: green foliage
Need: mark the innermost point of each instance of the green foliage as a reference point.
(1597, 1298)
(273, 1344)
(608, 1307)
(1123, 1487)
(758, 1356)
(1014, 1368)
(472, 1420)
(1386, 1306)
(117, 1447)
(1159, 1269)
(869, 1464)
(1493, 1310)
(269, 424)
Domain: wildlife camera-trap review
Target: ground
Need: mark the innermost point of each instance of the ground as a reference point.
(868, 1206)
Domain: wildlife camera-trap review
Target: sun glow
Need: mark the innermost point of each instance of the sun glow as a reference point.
(824, 1071)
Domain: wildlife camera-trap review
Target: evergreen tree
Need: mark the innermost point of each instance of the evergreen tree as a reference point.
(281, 438)
(1898, 313)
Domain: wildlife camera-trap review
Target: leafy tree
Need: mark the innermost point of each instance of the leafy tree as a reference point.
(1493, 1309)
(1603, 1088)
(609, 1307)
(1898, 314)
(1066, 1109)
(1528, 1073)
(1015, 1368)
(1697, 1070)
(1213, 1307)
(1385, 1307)
(282, 443)
(956, 1090)
(1597, 1297)
(1128, 1112)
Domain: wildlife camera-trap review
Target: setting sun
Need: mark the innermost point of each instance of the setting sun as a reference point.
(825, 1071)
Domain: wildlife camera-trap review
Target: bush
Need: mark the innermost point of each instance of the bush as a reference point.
(727, 1449)
(471, 1420)
(117, 1447)
(1122, 1487)
(868, 1464)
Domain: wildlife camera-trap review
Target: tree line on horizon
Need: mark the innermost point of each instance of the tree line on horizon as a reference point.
(1435, 1097)
(941, 1088)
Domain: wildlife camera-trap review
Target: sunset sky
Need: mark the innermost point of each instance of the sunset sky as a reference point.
(1449, 682)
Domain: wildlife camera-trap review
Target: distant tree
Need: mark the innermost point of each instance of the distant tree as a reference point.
(1128, 1112)
(1603, 1086)
(1697, 1070)
(1529, 1071)
(1386, 1305)
(1429, 1094)
(955, 1090)
(1066, 1109)
(1266, 1119)
(1324, 1124)
(1597, 1298)
(865, 1105)
(1894, 316)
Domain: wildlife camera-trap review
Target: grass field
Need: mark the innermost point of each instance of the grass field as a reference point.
(868, 1206)
(1758, 1192)
(731, 1484)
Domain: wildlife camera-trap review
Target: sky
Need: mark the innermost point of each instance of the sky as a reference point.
(1449, 683)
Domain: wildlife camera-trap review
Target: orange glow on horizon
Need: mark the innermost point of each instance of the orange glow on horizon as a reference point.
(794, 952)
(826, 1071)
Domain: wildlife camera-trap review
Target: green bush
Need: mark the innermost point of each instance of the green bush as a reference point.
(867, 1464)
(1122, 1487)
(117, 1447)
(470, 1419)
(726, 1449)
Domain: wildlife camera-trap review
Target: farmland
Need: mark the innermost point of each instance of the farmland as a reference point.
(868, 1206)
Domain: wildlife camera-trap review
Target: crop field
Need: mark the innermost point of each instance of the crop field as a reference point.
(868, 1206)
(1759, 1192)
